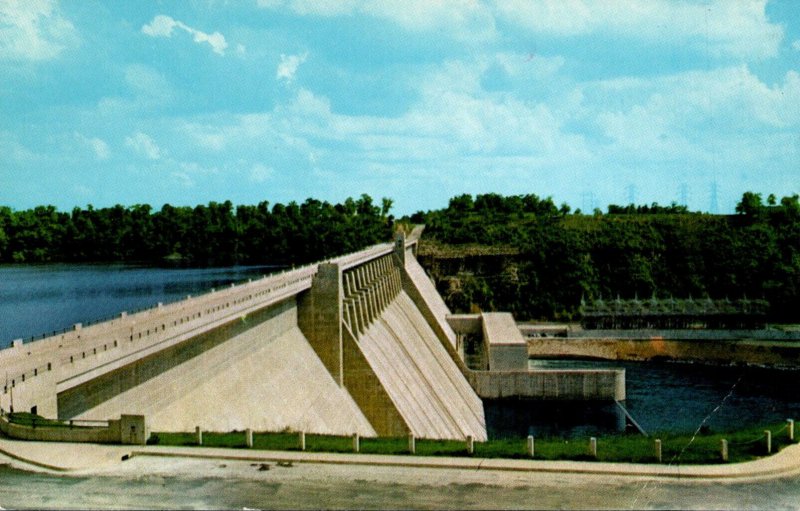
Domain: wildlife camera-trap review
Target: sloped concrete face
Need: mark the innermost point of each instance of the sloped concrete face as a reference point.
(424, 295)
(417, 373)
(267, 378)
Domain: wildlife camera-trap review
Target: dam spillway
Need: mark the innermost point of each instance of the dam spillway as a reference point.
(360, 344)
(271, 354)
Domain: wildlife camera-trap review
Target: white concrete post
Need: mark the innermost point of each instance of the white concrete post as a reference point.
(657, 443)
(356, 443)
(723, 449)
(593, 447)
(470, 445)
(248, 437)
(790, 426)
(530, 446)
(768, 434)
(412, 443)
(198, 433)
(365, 320)
(302, 440)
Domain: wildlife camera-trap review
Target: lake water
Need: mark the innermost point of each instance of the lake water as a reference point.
(39, 299)
(660, 397)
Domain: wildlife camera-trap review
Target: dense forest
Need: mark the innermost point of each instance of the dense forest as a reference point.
(540, 260)
(560, 258)
(216, 234)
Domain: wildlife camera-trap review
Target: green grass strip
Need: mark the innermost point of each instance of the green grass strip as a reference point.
(677, 449)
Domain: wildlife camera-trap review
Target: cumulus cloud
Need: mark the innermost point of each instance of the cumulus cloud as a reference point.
(796, 45)
(721, 27)
(288, 66)
(98, 146)
(33, 30)
(724, 28)
(468, 20)
(163, 26)
(142, 144)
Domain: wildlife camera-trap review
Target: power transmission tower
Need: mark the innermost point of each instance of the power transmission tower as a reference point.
(631, 194)
(713, 206)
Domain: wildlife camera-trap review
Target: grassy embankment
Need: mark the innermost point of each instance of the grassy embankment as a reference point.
(743, 445)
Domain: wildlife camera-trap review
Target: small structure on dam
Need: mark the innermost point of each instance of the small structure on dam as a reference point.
(360, 344)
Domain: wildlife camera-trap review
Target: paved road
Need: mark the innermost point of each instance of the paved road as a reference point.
(96, 476)
(148, 482)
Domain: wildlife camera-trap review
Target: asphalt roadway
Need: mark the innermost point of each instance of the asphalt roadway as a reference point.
(62, 475)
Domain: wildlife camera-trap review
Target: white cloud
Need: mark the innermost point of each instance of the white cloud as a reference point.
(146, 81)
(721, 27)
(160, 26)
(163, 26)
(723, 120)
(638, 130)
(149, 90)
(260, 173)
(313, 7)
(796, 45)
(33, 30)
(288, 66)
(98, 146)
(467, 20)
(145, 146)
(719, 101)
(183, 179)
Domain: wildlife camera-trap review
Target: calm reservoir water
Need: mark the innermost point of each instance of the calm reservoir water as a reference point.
(38, 299)
(660, 397)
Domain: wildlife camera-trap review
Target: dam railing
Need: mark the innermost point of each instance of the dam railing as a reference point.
(84, 351)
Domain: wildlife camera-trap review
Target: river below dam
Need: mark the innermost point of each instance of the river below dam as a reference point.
(39, 299)
(661, 397)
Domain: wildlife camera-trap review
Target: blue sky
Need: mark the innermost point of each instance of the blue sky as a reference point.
(588, 101)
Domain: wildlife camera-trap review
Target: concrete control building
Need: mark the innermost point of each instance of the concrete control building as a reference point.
(357, 344)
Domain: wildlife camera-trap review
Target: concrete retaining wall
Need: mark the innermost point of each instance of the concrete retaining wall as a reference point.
(579, 385)
(128, 429)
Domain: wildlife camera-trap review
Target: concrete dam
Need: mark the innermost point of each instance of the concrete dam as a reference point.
(361, 344)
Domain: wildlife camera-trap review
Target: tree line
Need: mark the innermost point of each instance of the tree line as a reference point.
(629, 252)
(218, 234)
(561, 257)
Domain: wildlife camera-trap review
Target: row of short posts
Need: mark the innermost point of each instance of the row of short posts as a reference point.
(470, 443)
